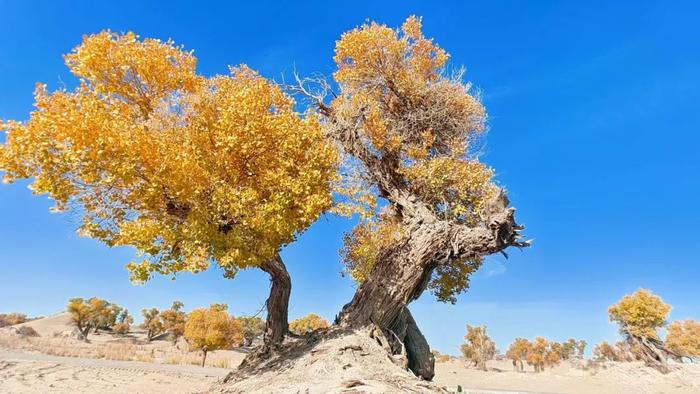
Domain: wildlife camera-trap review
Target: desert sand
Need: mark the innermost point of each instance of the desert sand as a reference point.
(117, 365)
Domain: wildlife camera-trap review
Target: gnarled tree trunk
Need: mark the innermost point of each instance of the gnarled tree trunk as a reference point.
(276, 325)
(277, 304)
(402, 273)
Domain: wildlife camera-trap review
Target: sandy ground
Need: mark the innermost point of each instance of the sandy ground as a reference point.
(38, 373)
(24, 368)
(612, 378)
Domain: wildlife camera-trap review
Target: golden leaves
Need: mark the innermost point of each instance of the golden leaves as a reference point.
(363, 245)
(640, 314)
(189, 170)
(212, 328)
(683, 337)
(307, 324)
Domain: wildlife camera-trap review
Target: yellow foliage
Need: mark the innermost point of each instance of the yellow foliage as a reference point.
(538, 353)
(185, 168)
(683, 337)
(640, 314)
(365, 242)
(90, 313)
(421, 125)
(212, 328)
(307, 324)
(173, 321)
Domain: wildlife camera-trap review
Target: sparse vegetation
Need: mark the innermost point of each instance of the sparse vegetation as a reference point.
(27, 331)
(10, 319)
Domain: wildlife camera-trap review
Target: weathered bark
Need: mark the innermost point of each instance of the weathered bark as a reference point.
(402, 273)
(276, 325)
(204, 357)
(653, 352)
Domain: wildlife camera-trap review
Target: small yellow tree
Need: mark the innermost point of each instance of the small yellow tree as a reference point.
(174, 321)
(478, 347)
(212, 328)
(152, 323)
(87, 314)
(683, 337)
(307, 324)
(518, 351)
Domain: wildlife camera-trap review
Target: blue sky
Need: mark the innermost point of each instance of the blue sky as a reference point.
(594, 124)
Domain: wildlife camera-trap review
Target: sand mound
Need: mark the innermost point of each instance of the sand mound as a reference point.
(47, 326)
(335, 361)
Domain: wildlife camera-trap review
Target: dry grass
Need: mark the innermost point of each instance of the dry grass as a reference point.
(116, 349)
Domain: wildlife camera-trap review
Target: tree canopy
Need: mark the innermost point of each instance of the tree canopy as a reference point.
(187, 169)
(640, 314)
(212, 328)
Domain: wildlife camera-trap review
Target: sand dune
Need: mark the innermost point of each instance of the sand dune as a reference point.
(47, 326)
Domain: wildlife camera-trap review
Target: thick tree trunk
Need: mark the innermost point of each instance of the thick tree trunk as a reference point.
(402, 273)
(204, 357)
(653, 352)
(277, 326)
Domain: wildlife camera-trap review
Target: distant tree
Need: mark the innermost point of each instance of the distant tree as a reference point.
(253, 327)
(606, 352)
(683, 337)
(87, 314)
(537, 356)
(639, 316)
(124, 322)
(107, 316)
(212, 328)
(307, 324)
(569, 348)
(152, 323)
(478, 347)
(539, 353)
(439, 357)
(581, 348)
(10, 319)
(518, 351)
(173, 320)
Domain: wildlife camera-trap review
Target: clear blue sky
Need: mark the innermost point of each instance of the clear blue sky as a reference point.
(594, 121)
